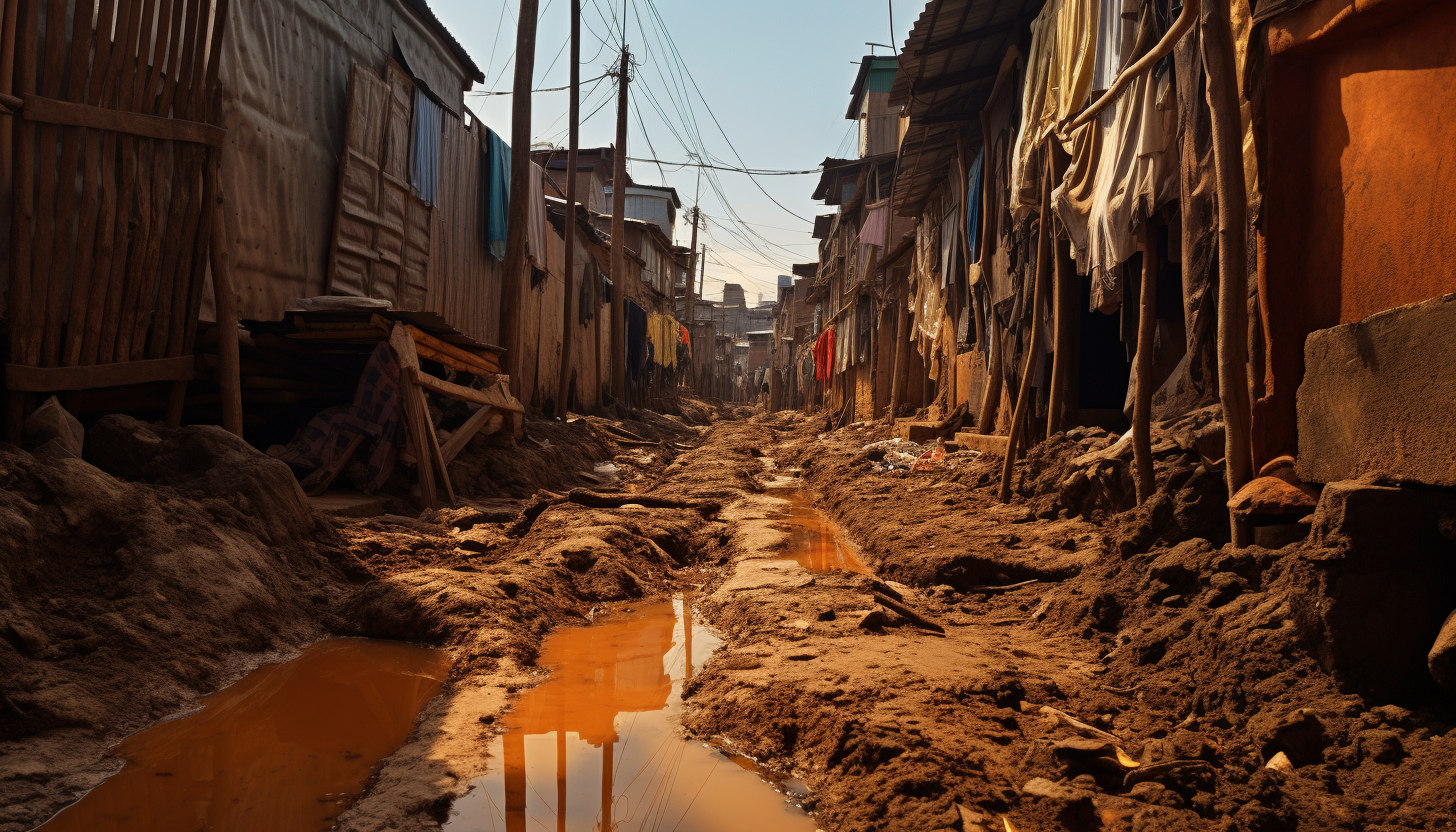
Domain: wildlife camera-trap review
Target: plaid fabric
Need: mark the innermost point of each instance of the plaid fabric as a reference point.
(375, 413)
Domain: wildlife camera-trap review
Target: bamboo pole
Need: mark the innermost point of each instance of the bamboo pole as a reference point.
(1233, 387)
(1142, 449)
(1023, 397)
(229, 375)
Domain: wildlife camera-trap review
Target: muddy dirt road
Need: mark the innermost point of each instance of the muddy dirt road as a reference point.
(888, 649)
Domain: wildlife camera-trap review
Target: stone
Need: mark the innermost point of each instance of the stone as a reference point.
(1156, 794)
(872, 620)
(1442, 657)
(1377, 395)
(826, 615)
(52, 427)
(1271, 497)
(1280, 762)
(1301, 736)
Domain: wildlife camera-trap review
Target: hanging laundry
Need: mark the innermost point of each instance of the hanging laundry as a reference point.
(973, 206)
(1124, 168)
(425, 146)
(824, 355)
(498, 194)
(536, 223)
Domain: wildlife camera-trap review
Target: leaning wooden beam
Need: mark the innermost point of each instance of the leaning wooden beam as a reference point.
(901, 368)
(909, 613)
(486, 364)
(1064, 313)
(460, 438)
(491, 396)
(1228, 162)
(1023, 397)
(1142, 404)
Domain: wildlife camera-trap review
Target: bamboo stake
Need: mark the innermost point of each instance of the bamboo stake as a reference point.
(1043, 272)
(1233, 387)
(229, 377)
(1142, 448)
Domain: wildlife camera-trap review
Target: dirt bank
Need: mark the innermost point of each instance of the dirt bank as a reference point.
(168, 563)
(1180, 658)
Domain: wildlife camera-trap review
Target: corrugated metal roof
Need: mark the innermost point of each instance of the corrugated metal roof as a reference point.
(427, 16)
(947, 69)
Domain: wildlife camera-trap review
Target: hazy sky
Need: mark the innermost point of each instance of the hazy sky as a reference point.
(775, 73)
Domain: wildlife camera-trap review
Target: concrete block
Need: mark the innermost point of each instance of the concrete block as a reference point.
(980, 442)
(918, 432)
(1379, 578)
(1379, 396)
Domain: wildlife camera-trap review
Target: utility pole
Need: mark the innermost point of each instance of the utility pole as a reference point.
(563, 389)
(702, 284)
(513, 271)
(692, 272)
(619, 232)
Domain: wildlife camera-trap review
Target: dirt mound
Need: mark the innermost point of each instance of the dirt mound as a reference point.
(1148, 678)
(124, 599)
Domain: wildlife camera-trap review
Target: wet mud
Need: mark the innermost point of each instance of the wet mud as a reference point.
(287, 747)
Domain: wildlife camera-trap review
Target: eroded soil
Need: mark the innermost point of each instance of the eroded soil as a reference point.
(1100, 667)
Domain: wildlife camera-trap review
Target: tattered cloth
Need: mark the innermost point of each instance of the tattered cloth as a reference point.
(374, 413)
(824, 355)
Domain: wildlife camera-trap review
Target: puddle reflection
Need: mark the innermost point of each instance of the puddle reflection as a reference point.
(815, 541)
(597, 747)
(287, 747)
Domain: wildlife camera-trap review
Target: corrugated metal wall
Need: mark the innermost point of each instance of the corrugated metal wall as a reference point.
(464, 279)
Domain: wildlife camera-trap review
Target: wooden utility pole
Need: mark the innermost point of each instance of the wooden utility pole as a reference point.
(513, 271)
(563, 388)
(1233, 230)
(619, 235)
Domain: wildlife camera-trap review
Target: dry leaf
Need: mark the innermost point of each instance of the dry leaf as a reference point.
(1124, 760)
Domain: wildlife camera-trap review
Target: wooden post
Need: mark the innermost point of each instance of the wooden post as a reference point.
(619, 235)
(901, 368)
(513, 270)
(1023, 397)
(568, 326)
(7, 81)
(1064, 312)
(1142, 448)
(1228, 160)
(226, 300)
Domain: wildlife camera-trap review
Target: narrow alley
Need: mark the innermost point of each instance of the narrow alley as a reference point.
(1070, 450)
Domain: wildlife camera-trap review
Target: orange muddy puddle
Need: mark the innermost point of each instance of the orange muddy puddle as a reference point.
(814, 540)
(288, 747)
(597, 747)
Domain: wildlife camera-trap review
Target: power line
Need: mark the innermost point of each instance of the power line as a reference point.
(543, 89)
(749, 171)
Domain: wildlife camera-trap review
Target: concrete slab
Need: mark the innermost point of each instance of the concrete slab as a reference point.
(981, 442)
(1379, 396)
(918, 432)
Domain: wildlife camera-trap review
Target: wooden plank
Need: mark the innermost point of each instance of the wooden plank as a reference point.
(492, 396)
(487, 365)
(432, 444)
(49, 111)
(415, 422)
(461, 437)
(54, 379)
(451, 362)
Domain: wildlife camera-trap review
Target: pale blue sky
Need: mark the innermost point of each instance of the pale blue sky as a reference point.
(776, 73)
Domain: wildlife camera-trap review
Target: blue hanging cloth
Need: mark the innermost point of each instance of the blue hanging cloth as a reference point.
(498, 192)
(973, 206)
(425, 153)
